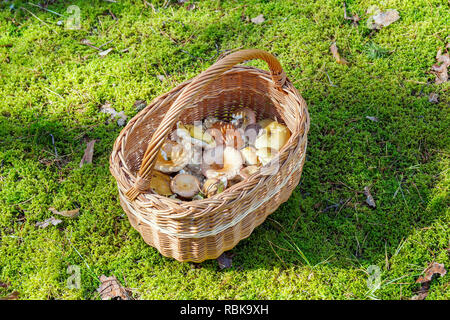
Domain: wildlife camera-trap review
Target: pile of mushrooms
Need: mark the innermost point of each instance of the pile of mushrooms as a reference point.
(202, 159)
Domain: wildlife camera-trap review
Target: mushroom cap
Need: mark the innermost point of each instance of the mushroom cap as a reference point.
(265, 122)
(221, 162)
(160, 183)
(248, 171)
(172, 157)
(226, 133)
(275, 136)
(265, 155)
(185, 185)
(214, 186)
(249, 155)
(198, 133)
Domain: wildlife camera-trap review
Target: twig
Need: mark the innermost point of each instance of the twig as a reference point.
(54, 146)
(25, 9)
(54, 92)
(48, 10)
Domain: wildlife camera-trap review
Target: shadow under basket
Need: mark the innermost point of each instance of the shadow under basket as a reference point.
(203, 229)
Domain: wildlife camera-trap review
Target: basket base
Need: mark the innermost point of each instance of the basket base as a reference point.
(200, 249)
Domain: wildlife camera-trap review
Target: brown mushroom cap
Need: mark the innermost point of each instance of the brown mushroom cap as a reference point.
(214, 186)
(172, 157)
(248, 171)
(185, 185)
(160, 183)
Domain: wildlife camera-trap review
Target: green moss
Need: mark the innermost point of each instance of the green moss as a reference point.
(319, 244)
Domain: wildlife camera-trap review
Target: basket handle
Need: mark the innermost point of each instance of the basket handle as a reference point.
(192, 90)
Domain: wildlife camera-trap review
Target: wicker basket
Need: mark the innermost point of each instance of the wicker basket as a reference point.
(204, 229)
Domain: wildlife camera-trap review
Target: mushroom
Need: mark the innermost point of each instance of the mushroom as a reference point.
(185, 185)
(198, 133)
(249, 155)
(221, 162)
(172, 157)
(275, 136)
(214, 186)
(226, 133)
(265, 155)
(193, 135)
(251, 132)
(160, 183)
(265, 122)
(248, 171)
(243, 117)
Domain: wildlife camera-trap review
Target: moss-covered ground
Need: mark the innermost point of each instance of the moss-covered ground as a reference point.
(320, 244)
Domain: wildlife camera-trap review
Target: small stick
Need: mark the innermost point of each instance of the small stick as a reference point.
(37, 18)
(53, 143)
(48, 10)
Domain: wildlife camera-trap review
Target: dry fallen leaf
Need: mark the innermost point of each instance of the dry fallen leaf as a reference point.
(106, 108)
(67, 213)
(440, 68)
(259, 19)
(336, 55)
(4, 285)
(433, 269)
(161, 77)
(111, 289)
(374, 119)
(88, 153)
(49, 221)
(225, 260)
(140, 104)
(12, 296)
(433, 98)
(104, 53)
(369, 200)
(382, 19)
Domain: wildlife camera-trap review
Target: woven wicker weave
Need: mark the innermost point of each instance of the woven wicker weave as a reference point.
(204, 229)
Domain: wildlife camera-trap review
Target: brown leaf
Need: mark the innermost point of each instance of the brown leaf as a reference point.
(108, 109)
(4, 285)
(336, 55)
(225, 260)
(49, 221)
(140, 104)
(382, 19)
(369, 200)
(111, 289)
(12, 296)
(67, 213)
(259, 19)
(433, 269)
(433, 98)
(88, 153)
(440, 68)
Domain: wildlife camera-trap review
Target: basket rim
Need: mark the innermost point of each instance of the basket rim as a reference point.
(284, 152)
